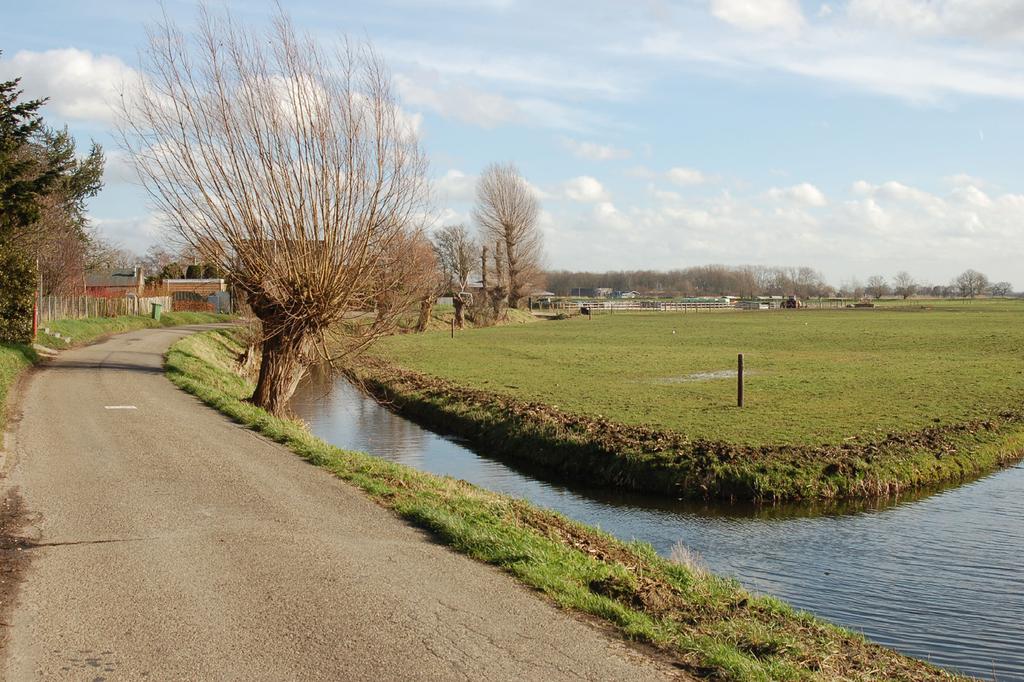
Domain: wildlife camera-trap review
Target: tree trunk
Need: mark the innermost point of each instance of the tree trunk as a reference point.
(282, 366)
(426, 307)
(499, 294)
(459, 305)
(514, 285)
(499, 301)
(483, 270)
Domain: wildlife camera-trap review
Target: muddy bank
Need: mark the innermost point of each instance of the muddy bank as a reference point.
(658, 461)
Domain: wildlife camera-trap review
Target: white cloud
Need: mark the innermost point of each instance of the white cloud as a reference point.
(592, 151)
(972, 196)
(136, 233)
(585, 189)
(980, 18)
(82, 86)
(759, 15)
(686, 176)
(455, 186)
(664, 195)
(445, 216)
(804, 194)
(530, 70)
(878, 228)
(460, 102)
(487, 109)
(965, 179)
(641, 172)
(118, 168)
(876, 57)
(608, 217)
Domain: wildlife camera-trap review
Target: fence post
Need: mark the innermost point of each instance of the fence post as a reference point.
(739, 380)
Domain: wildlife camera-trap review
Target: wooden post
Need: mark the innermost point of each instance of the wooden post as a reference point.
(739, 380)
(453, 326)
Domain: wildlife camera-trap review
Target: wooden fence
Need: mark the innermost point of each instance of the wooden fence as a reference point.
(635, 305)
(53, 308)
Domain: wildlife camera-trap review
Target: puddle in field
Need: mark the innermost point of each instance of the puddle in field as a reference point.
(701, 376)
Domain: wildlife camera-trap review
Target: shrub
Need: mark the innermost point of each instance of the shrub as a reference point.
(17, 289)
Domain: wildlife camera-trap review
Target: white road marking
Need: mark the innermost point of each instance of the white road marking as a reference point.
(119, 407)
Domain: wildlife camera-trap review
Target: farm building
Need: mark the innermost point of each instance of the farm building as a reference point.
(203, 287)
(115, 283)
(199, 295)
(591, 292)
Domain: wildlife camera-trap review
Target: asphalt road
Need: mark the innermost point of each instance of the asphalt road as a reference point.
(167, 542)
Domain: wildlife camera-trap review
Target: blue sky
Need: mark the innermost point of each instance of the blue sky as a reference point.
(859, 137)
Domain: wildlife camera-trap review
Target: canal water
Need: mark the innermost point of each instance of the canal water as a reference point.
(939, 578)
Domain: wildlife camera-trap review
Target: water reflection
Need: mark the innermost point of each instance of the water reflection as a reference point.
(936, 577)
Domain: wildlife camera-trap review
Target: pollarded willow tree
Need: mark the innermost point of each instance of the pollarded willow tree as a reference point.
(457, 254)
(507, 213)
(292, 168)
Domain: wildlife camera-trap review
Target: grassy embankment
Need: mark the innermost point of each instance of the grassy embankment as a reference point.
(16, 357)
(708, 625)
(845, 403)
(441, 319)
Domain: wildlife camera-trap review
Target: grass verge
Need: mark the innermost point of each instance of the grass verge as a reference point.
(13, 359)
(709, 625)
(91, 328)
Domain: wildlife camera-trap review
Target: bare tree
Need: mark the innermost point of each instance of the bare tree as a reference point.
(292, 169)
(877, 286)
(456, 254)
(970, 283)
(507, 212)
(426, 277)
(904, 285)
(1001, 289)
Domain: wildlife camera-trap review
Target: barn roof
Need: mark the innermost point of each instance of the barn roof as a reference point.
(112, 278)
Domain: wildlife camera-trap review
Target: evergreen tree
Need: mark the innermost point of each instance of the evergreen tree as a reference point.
(43, 223)
(25, 177)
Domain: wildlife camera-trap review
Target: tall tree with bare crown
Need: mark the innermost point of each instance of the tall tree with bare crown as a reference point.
(292, 168)
(507, 213)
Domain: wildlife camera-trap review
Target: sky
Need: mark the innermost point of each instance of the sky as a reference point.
(860, 137)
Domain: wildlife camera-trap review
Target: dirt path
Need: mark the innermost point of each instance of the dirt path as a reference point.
(166, 542)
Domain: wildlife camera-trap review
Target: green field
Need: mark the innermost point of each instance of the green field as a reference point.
(813, 376)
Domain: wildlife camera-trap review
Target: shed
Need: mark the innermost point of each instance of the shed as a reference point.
(203, 287)
(115, 283)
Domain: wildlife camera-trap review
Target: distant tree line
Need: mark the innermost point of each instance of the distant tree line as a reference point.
(759, 280)
(968, 284)
(161, 263)
(701, 280)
